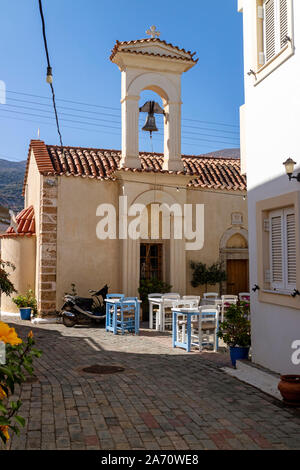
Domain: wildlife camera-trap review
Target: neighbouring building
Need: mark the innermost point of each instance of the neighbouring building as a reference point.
(57, 241)
(269, 135)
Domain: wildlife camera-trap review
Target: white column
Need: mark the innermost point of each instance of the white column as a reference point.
(178, 266)
(172, 137)
(130, 132)
(130, 267)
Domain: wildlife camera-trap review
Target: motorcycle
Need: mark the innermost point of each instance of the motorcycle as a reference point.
(84, 310)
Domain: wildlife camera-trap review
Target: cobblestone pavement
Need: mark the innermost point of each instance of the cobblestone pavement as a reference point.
(165, 398)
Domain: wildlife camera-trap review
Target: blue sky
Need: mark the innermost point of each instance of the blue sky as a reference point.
(81, 34)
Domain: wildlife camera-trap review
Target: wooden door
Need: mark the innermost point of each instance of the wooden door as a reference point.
(237, 276)
(151, 261)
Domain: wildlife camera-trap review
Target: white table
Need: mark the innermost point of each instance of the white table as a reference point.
(162, 303)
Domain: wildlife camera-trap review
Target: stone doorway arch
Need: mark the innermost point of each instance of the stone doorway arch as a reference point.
(174, 250)
(234, 256)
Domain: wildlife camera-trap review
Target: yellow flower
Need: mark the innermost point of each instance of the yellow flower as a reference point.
(4, 430)
(2, 393)
(9, 335)
(30, 334)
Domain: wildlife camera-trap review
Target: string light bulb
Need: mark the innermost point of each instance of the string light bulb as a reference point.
(49, 78)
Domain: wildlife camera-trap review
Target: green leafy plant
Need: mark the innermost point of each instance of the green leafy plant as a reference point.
(149, 286)
(6, 286)
(235, 330)
(19, 361)
(203, 275)
(27, 300)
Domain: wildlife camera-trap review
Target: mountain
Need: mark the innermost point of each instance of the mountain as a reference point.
(11, 182)
(226, 153)
(4, 219)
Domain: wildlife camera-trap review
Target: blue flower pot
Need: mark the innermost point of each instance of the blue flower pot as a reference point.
(238, 353)
(25, 313)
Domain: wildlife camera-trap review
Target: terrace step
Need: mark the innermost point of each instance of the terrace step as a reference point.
(263, 379)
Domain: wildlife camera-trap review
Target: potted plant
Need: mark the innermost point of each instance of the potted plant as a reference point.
(148, 286)
(203, 275)
(235, 331)
(26, 304)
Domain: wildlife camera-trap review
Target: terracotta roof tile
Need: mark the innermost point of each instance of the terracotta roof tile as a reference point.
(42, 158)
(211, 172)
(206, 172)
(25, 224)
(120, 46)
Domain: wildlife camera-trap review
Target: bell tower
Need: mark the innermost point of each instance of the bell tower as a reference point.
(151, 64)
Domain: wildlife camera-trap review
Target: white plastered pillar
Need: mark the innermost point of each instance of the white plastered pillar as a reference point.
(172, 137)
(130, 132)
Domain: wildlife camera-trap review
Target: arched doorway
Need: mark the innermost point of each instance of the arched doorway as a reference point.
(234, 255)
(160, 257)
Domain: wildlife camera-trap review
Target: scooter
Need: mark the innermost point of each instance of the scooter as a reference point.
(84, 310)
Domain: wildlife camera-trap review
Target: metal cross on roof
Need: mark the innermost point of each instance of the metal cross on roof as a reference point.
(153, 32)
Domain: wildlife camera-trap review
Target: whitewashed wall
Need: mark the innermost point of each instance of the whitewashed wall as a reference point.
(271, 134)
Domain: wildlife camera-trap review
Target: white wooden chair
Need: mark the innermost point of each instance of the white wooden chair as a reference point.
(168, 301)
(181, 320)
(153, 310)
(210, 295)
(205, 328)
(192, 298)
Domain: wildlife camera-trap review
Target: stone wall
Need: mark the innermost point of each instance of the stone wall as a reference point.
(48, 247)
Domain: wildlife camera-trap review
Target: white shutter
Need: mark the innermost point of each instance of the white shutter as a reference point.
(270, 29)
(284, 21)
(290, 236)
(276, 250)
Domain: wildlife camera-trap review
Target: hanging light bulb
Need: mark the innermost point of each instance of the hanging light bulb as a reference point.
(49, 78)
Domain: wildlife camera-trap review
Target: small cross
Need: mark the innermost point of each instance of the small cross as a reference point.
(153, 32)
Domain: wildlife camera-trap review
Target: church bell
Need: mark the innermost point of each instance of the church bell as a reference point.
(151, 107)
(150, 124)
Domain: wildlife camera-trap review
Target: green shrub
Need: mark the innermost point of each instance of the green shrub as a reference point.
(149, 286)
(6, 286)
(203, 275)
(19, 361)
(26, 301)
(235, 330)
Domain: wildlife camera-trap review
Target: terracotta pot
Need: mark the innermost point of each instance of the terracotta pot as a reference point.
(289, 387)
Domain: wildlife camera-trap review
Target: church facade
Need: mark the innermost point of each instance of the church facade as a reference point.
(72, 193)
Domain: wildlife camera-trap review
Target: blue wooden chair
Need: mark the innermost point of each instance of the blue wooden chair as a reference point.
(127, 315)
(110, 310)
(115, 296)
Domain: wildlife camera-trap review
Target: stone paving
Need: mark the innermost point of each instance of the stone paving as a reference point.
(165, 399)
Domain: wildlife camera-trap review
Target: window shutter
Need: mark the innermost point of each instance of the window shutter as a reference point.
(270, 29)
(276, 251)
(290, 248)
(284, 23)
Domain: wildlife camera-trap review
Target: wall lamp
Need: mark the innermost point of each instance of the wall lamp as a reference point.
(251, 72)
(295, 292)
(289, 168)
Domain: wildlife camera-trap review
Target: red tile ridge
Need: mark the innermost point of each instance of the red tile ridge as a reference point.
(42, 158)
(149, 40)
(25, 222)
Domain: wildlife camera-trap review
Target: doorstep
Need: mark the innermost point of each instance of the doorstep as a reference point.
(34, 320)
(258, 377)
